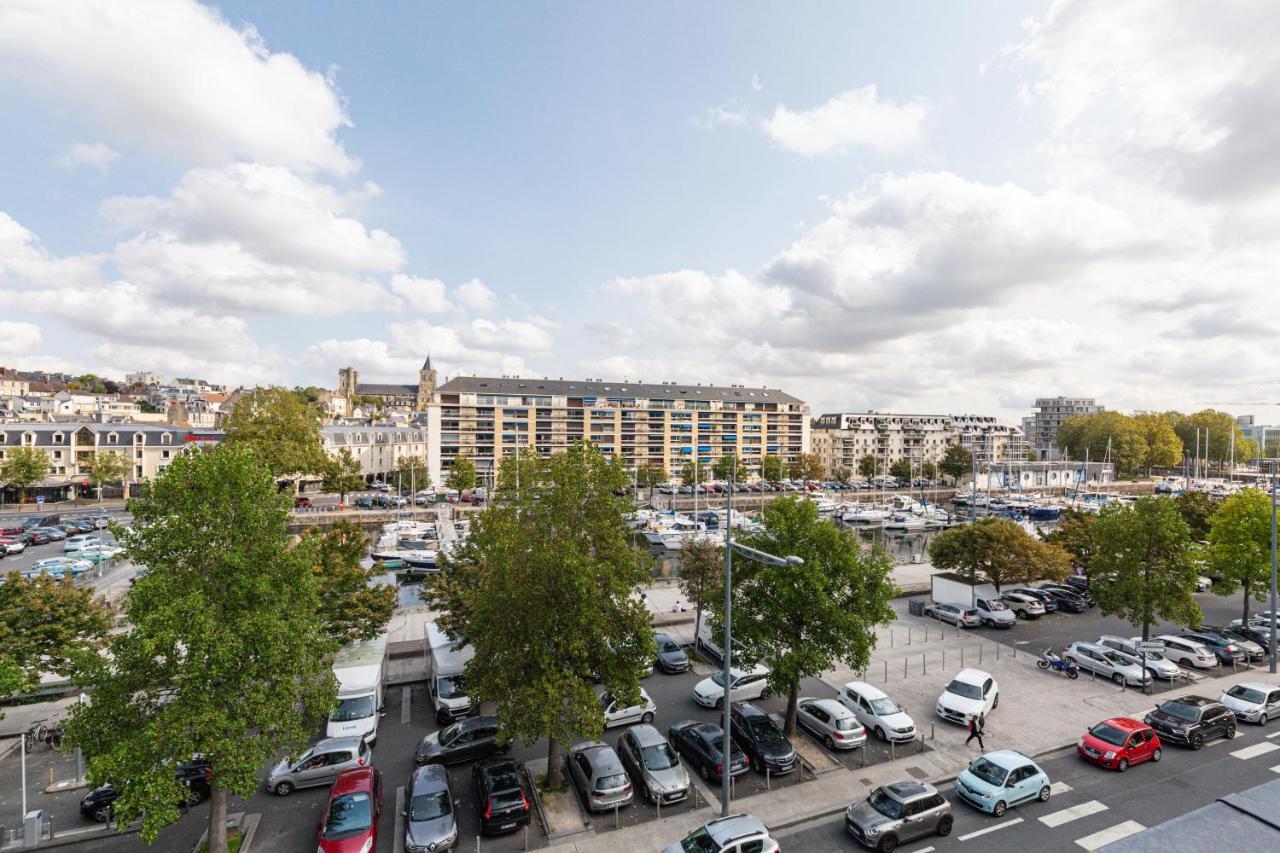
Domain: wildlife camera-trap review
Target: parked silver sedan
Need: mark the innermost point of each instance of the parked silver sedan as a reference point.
(1106, 662)
(954, 614)
(599, 776)
(1157, 665)
(653, 764)
(830, 722)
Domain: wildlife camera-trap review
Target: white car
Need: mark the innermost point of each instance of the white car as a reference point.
(13, 546)
(972, 693)
(875, 710)
(1253, 701)
(619, 716)
(1183, 651)
(831, 722)
(1024, 606)
(994, 613)
(744, 685)
(740, 833)
(75, 543)
(1203, 583)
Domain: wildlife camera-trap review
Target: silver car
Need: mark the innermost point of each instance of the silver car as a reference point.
(1253, 701)
(898, 812)
(654, 765)
(830, 722)
(599, 776)
(429, 821)
(955, 614)
(1157, 664)
(319, 765)
(1107, 662)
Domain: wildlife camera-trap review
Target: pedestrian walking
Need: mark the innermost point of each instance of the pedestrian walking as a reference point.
(975, 731)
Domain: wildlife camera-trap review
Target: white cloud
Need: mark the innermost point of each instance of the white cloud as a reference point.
(25, 261)
(423, 295)
(858, 117)
(475, 295)
(732, 113)
(175, 75)
(756, 85)
(509, 334)
(94, 155)
(18, 338)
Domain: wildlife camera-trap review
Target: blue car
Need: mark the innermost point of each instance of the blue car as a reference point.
(1002, 779)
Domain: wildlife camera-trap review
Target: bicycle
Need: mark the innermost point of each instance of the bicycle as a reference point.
(51, 736)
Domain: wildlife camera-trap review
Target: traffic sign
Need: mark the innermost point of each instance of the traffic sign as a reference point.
(1151, 647)
(39, 499)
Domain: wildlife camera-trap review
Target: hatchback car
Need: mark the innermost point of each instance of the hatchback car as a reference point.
(1024, 606)
(465, 740)
(1253, 701)
(1252, 651)
(1106, 662)
(617, 714)
(1068, 600)
(319, 765)
(599, 776)
(350, 820)
(954, 614)
(1191, 720)
(671, 656)
(653, 764)
(75, 543)
(1226, 651)
(1185, 651)
(744, 685)
(875, 710)
(702, 746)
(1001, 779)
(429, 820)
(759, 737)
(830, 722)
(500, 796)
(1156, 663)
(1118, 743)
(972, 693)
(733, 834)
(898, 812)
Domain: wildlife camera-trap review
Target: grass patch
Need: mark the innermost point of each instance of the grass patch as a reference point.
(234, 840)
(558, 789)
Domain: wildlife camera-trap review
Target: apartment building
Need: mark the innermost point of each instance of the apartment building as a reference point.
(1042, 427)
(841, 440)
(665, 424)
(380, 447)
(990, 440)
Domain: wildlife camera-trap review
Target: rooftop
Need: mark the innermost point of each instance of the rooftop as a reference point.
(602, 388)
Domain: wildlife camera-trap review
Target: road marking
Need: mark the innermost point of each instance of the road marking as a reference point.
(1058, 818)
(405, 707)
(1059, 788)
(1255, 750)
(1106, 836)
(397, 840)
(1273, 734)
(921, 850)
(1007, 823)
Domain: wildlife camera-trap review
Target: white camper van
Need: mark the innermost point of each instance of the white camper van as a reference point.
(447, 657)
(361, 669)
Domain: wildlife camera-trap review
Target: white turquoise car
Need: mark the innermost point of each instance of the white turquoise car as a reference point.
(1001, 779)
(98, 553)
(59, 567)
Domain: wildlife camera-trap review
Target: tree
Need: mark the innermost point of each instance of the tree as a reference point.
(771, 467)
(649, 475)
(999, 552)
(929, 469)
(546, 590)
(841, 473)
(226, 654)
(728, 466)
(282, 431)
(956, 462)
(22, 468)
(701, 573)
(692, 475)
(104, 468)
(48, 625)
(1074, 535)
(342, 474)
(1216, 430)
(413, 472)
(462, 473)
(1195, 509)
(1101, 433)
(901, 470)
(804, 618)
(1143, 568)
(1162, 447)
(12, 679)
(806, 466)
(868, 466)
(350, 609)
(1240, 546)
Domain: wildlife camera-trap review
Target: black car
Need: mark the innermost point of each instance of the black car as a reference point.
(99, 803)
(1050, 603)
(1079, 583)
(363, 503)
(465, 740)
(500, 796)
(1067, 600)
(763, 742)
(1088, 599)
(702, 745)
(1258, 632)
(1192, 720)
(671, 656)
(84, 525)
(1224, 648)
(36, 537)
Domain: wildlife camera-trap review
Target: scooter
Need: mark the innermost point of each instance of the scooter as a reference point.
(1050, 660)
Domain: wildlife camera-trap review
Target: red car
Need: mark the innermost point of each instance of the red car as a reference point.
(1118, 743)
(301, 501)
(350, 820)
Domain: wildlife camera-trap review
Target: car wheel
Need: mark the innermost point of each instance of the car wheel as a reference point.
(194, 796)
(828, 742)
(1262, 720)
(1157, 755)
(1123, 765)
(996, 703)
(999, 809)
(646, 717)
(720, 705)
(944, 826)
(283, 789)
(1044, 794)
(880, 734)
(766, 693)
(1231, 731)
(1117, 678)
(102, 814)
(888, 844)
(1197, 741)
(990, 623)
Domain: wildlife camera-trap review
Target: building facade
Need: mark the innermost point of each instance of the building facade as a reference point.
(666, 424)
(842, 440)
(416, 397)
(1050, 412)
(1263, 434)
(380, 447)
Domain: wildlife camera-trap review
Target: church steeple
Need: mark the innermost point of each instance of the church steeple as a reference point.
(426, 385)
(426, 365)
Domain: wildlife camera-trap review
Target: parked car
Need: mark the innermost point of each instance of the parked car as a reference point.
(500, 795)
(744, 685)
(972, 693)
(319, 765)
(98, 553)
(429, 819)
(874, 709)
(12, 545)
(1252, 652)
(99, 803)
(1024, 606)
(38, 537)
(953, 614)
(654, 765)
(831, 722)
(1066, 599)
(349, 823)
(302, 501)
(702, 745)
(1157, 664)
(997, 780)
(760, 739)
(466, 740)
(1226, 651)
(671, 656)
(1253, 701)
(994, 613)
(897, 813)
(52, 534)
(1080, 583)
(1258, 632)
(1184, 651)
(616, 714)
(598, 774)
(733, 834)
(1107, 663)
(1191, 720)
(1074, 590)
(365, 502)
(1118, 743)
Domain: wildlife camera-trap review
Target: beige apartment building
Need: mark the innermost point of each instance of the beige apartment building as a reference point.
(842, 439)
(665, 424)
(380, 447)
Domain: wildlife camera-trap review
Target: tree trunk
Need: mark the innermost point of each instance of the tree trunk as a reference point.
(218, 819)
(554, 774)
(1244, 617)
(1146, 631)
(789, 722)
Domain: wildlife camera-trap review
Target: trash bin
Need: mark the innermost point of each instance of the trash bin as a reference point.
(32, 828)
(916, 607)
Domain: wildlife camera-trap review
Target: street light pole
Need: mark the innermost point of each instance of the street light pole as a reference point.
(1274, 464)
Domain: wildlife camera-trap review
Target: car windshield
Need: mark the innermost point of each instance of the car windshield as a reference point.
(992, 774)
(353, 709)
(449, 735)
(884, 706)
(451, 687)
(1108, 734)
(765, 731)
(659, 757)
(668, 646)
(1118, 659)
(964, 689)
(885, 804)
(347, 814)
(1179, 711)
(718, 678)
(700, 841)
(846, 724)
(430, 806)
(996, 605)
(1246, 694)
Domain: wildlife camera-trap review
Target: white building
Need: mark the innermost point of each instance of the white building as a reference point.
(841, 440)
(379, 448)
(1048, 416)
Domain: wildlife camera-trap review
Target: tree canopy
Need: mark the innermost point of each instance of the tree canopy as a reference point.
(413, 472)
(1217, 430)
(901, 470)
(771, 467)
(1240, 546)
(49, 625)
(998, 551)
(104, 468)
(957, 462)
(462, 473)
(869, 466)
(701, 573)
(841, 473)
(280, 429)
(350, 609)
(342, 474)
(728, 466)
(1195, 509)
(806, 466)
(1073, 534)
(22, 468)
(649, 475)
(691, 474)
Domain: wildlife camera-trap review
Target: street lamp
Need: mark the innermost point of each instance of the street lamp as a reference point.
(761, 557)
(1274, 464)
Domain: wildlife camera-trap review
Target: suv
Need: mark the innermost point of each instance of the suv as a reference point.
(877, 712)
(504, 807)
(898, 812)
(99, 803)
(319, 765)
(1226, 651)
(702, 745)
(653, 764)
(1192, 720)
(759, 737)
(1216, 639)
(1067, 599)
(731, 834)
(743, 684)
(465, 740)
(972, 693)
(1024, 606)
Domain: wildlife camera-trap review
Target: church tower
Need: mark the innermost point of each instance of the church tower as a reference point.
(426, 386)
(347, 380)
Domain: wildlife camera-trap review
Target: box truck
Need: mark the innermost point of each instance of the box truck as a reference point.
(361, 669)
(949, 588)
(447, 658)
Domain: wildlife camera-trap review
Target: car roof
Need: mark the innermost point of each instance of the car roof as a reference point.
(428, 778)
(1258, 685)
(1006, 758)
(971, 676)
(699, 727)
(908, 790)
(1194, 701)
(831, 706)
(865, 690)
(646, 735)
(600, 755)
(478, 722)
(1127, 723)
(755, 669)
(735, 826)
(336, 743)
(746, 709)
(355, 779)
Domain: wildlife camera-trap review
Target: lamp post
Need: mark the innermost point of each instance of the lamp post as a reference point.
(1274, 464)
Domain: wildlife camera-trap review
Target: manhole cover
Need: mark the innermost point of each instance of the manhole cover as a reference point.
(917, 773)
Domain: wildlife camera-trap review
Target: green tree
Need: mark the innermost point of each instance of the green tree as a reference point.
(957, 462)
(1162, 447)
(350, 608)
(12, 679)
(225, 654)
(22, 468)
(1143, 568)
(546, 590)
(1074, 535)
(728, 466)
(282, 431)
(841, 473)
(701, 573)
(650, 475)
(1216, 432)
(901, 470)
(999, 552)
(413, 472)
(689, 471)
(462, 473)
(343, 474)
(805, 466)
(105, 468)
(1101, 433)
(1195, 509)
(771, 468)
(50, 625)
(1240, 546)
(805, 618)
(868, 466)
(929, 470)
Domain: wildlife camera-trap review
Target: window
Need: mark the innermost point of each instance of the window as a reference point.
(756, 846)
(166, 438)
(58, 438)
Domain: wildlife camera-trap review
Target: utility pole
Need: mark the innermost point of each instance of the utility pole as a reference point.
(1274, 464)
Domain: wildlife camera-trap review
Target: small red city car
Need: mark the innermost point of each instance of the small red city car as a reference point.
(1118, 743)
(350, 821)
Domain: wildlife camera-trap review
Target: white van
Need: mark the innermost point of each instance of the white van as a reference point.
(707, 639)
(994, 612)
(447, 657)
(361, 669)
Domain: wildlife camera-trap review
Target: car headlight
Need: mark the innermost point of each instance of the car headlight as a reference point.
(1079, 741)
(1109, 754)
(873, 830)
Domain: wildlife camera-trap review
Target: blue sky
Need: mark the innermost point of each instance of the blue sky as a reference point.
(924, 206)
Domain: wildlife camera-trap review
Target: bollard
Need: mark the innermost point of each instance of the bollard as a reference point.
(477, 844)
(617, 820)
(921, 743)
(904, 668)
(962, 657)
(768, 782)
(891, 750)
(862, 755)
(924, 664)
(908, 635)
(886, 671)
(526, 838)
(997, 651)
(931, 733)
(980, 647)
(1233, 666)
(50, 777)
(890, 638)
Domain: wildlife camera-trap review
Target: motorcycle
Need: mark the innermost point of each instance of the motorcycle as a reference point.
(1049, 660)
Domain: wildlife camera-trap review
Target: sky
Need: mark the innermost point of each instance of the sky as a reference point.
(917, 206)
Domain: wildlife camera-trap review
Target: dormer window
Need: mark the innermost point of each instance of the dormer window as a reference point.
(137, 438)
(166, 438)
(59, 438)
(113, 438)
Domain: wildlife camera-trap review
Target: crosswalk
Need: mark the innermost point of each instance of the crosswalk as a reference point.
(1255, 750)
(1062, 816)
(1112, 833)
